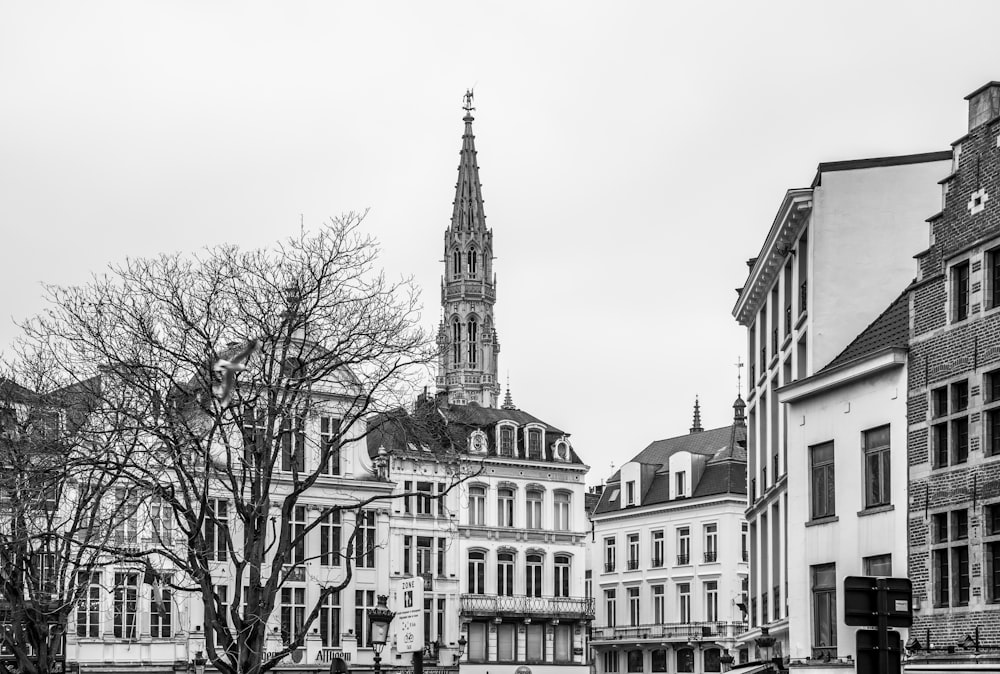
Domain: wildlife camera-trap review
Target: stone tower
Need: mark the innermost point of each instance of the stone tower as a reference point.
(467, 338)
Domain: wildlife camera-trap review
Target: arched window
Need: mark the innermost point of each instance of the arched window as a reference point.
(477, 572)
(456, 341)
(505, 507)
(533, 582)
(534, 443)
(456, 263)
(472, 332)
(477, 505)
(472, 262)
(712, 663)
(561, 512)
(685, 660)
(533, 509)
(505, 574)
(561, 588)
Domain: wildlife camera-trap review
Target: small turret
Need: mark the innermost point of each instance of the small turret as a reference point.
(739, 412)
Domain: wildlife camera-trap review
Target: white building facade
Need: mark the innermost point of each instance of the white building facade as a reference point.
(837, 253)
(670, 556)
(847, 435)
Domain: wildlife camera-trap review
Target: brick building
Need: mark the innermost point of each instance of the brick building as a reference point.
(954, 412)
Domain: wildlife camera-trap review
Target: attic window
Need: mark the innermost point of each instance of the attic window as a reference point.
(630, 493)
(506, 441)
(614, 495)
(534, 443)
(679, 489)
(977, 202)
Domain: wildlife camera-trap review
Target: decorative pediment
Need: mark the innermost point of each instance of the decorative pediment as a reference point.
(478, 442)
(562, 450)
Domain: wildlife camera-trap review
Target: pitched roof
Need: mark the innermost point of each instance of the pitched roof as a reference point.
(890, 329)
(724, 471)
(476, 415)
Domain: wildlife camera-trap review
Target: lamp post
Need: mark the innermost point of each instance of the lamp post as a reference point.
(378, 628)
(198, 663)
(726, 660)
(765, 641)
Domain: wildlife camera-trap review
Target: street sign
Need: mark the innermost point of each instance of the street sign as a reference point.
(869, 661)
(861, 601)
(409, 607)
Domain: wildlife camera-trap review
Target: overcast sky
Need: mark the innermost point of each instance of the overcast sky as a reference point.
(633, 155)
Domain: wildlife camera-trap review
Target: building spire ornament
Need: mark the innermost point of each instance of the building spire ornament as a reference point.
(696, 426)
(508, 402)
(468, 347)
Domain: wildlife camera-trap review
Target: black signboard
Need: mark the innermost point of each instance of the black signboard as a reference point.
(868, 653)
(862, 601)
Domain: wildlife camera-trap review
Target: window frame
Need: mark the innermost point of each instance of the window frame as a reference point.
(822, 482)
(878, 486)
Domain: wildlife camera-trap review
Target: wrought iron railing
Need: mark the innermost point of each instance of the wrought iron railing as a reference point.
(609, 567)
(484, 604)
(683, 559)
(657, 562)
(633, 564)
(711, 556)
(684, 631)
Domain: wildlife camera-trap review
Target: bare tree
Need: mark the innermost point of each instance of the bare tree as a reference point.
(246, 378)
(56, 519)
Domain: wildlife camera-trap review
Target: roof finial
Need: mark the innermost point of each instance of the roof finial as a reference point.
(467, 105)
(508, 403)
(696, 426)
(739, 376)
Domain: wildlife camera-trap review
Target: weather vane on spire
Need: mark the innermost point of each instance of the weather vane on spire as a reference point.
(739, 376)
(468, 102)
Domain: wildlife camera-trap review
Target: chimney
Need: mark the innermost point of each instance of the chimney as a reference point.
(984, 104)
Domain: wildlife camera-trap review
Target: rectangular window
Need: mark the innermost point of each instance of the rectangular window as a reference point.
(329, 621)
(425, 498)
(824, 601)
(711, 542)
(659, 614)
(960, 433)
(939, 433)
(633, 552)
(424, 548)
(88, 610)
(297, 524)
(684, 602)
(161, 521)
(533, 510)
(992, 557)
(506, 642)
(659, 554)
(407, 555)
(477, 572)
(875, 445)
(633, 606)
(683, 545)
(993, 278)
(293, 613)
(477, 506)
(942, 578)
(630, 492)
(609, 554)
(505, 507)
(293, 446)
(535, 642)
(960, 291)
(878, 565)
(534, 443)
(939, 402)
(711, 601)
(329, 439)
(992, 425)
(329, 539)
(960, 562)
(161, 610)
(564, 643)
(611, 608)
(506, 441)
(679, 484)
(365, 543)
(505, 574)
(823, 502)
(363, 600)
(611, 662)
(442, 546)
(217, 530)
(477, 641)
(126, 593)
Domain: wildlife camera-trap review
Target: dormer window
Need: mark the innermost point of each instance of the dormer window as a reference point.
(630, 493)
(477, 442)
(534, 443)
(506, 441)
(680, 484)
(562, 451)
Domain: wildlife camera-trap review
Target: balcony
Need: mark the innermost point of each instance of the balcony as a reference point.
(656, 562)
(711, 556)
(609, 567)
(484, 605)
(678, 631)
(683, 559)
(633, 564)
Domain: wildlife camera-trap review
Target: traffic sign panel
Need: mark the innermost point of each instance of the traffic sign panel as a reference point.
(409, 606)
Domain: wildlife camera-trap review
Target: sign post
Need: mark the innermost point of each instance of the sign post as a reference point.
(410, 620)
(881, 603)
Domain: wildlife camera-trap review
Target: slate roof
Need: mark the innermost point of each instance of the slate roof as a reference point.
(724, 472)
(439, 426)
(890, 329)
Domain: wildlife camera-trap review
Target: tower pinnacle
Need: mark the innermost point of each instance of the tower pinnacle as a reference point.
(467, 340)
